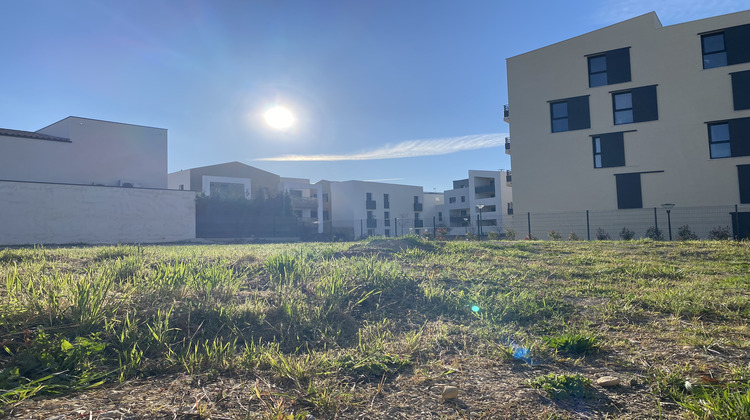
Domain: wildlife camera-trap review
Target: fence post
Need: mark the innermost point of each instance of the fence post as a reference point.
(395, 224)
(588, 227)
(361, 232)
(737, 222)
(528, 221)
(434, 227)
(656, 221)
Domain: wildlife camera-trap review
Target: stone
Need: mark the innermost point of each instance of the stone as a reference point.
(607, 381)
(449, 392)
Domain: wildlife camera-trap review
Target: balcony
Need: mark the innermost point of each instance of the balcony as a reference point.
(510, 209)
(387, 222)
(299, 203)
(508, 178)
(417, 206)
(370, 204)
(459, 221)
(506, 113)
(418, 223)
(372, 223)
(507, 145)
(484, 189)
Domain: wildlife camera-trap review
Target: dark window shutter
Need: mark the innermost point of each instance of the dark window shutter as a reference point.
(737, 44)
(629, 191)
(618, 66)
(743, 175)
(613, 150)
(739, 137)
(644, 104)
(578, 113)
(741, 90)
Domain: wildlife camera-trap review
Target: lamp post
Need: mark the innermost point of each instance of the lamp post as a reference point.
(466, 224)
(668, 208)
(479, 228)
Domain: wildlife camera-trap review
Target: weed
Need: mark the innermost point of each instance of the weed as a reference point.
(626, 234)
(574, 343)
(685, 234)
(564, 386)
(602, 235)
(654, 233)
(721, 233)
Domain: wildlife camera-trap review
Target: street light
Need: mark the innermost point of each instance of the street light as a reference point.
(668, 207)
(466, 224)
(479, 228)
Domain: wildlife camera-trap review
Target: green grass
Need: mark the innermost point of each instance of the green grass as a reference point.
(332, 326)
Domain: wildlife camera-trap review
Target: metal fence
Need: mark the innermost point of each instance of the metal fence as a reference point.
(703, 222)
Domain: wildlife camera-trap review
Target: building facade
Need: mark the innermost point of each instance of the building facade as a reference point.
(231, 179)
(306, 200)
(484, 198)
(633, 116)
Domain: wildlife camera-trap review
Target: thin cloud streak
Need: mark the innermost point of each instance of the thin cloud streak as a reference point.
(406, 149)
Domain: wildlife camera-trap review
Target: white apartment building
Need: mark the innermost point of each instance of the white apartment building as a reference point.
(634, 116)
(307, 203)
(485, 192)
(362, 208)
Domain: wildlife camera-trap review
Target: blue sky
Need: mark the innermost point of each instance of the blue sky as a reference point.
(407, 91)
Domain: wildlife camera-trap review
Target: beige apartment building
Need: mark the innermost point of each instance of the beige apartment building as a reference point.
(634, 116)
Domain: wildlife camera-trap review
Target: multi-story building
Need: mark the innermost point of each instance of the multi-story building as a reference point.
(305, 198)
(362, 208)
(634, 116)
(483, 199)
(232, 179)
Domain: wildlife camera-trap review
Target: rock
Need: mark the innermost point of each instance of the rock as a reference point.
(607, 381)
(449, 392)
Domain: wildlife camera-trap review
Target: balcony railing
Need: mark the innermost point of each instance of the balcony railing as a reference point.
(506, 113)
(459, 221)
(370, 204)
(417, 206)
(372, 223)
(483, 189)
(386, 222)
(304, 203)
(508, 178)
(418, 223)
(507, 145)
(510, 208)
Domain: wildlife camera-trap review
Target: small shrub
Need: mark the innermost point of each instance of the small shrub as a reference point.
(654, 233)
(685, 234)
(441, 233)
(471, 236)
(602, 235)
(626, 234)
(493, 236)
(721, 233)
(563, 386)
(510, 234)
(574, 343)
(573, 236)
(554, 236)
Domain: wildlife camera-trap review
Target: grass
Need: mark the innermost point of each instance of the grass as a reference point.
(336, 330)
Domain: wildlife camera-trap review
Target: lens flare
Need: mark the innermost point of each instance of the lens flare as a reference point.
(475, 308)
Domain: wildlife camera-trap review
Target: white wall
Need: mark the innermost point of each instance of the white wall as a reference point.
(175, 179)
(99, 152)
(38, 213)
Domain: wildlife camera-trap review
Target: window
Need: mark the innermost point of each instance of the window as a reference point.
(325, 197)
(182, 187)
(570, 114)
(387, 215)
(227, 190)
(386, 202)
(369, 196)
(635, 105)
(727, 47)
(326, 216)
(714, 51)
(440, 216)
(463, 198)
(729, 138)
(629, 191)
(387, 232)
(609, 150)
(741, 90)
(452, 200)
(718, 137)
(609, 68)
(416, 199)
(743, 175)
(314, 214)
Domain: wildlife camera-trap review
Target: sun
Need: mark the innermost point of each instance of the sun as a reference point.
(279, 118)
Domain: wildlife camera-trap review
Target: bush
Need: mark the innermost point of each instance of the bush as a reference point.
(654, 233)
(510, 234)
(471, 236)
(626, 234)
(573, 236)
(560, 387)
(601, 235)
(493, 236)
(554, 236)
(721, 233)
(685, 234)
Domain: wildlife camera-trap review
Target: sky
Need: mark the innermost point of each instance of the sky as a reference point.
(408, 92)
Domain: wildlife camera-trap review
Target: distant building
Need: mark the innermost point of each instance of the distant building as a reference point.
(633, 116)
(306, 201)
(232, 179)
(490, 190)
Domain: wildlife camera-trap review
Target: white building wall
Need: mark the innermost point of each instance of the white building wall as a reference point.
(38, 213)
(179, 178)
(348, 207)
(502, 196)
(99, 153)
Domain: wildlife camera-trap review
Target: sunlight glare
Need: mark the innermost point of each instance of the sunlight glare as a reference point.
(279, 118)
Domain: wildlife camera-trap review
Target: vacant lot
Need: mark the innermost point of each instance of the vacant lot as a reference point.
(379, 329)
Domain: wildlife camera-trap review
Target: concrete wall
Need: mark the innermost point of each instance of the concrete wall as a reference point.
(99, 152)
(554, 172)
(38, 213)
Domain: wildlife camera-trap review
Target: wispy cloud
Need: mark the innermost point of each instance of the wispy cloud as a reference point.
(669, 11)
(406, 149)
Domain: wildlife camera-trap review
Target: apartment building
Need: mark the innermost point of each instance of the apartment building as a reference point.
(305, 198)
(362, 208)
(634, 116)
(231, 179)
(482, 202)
